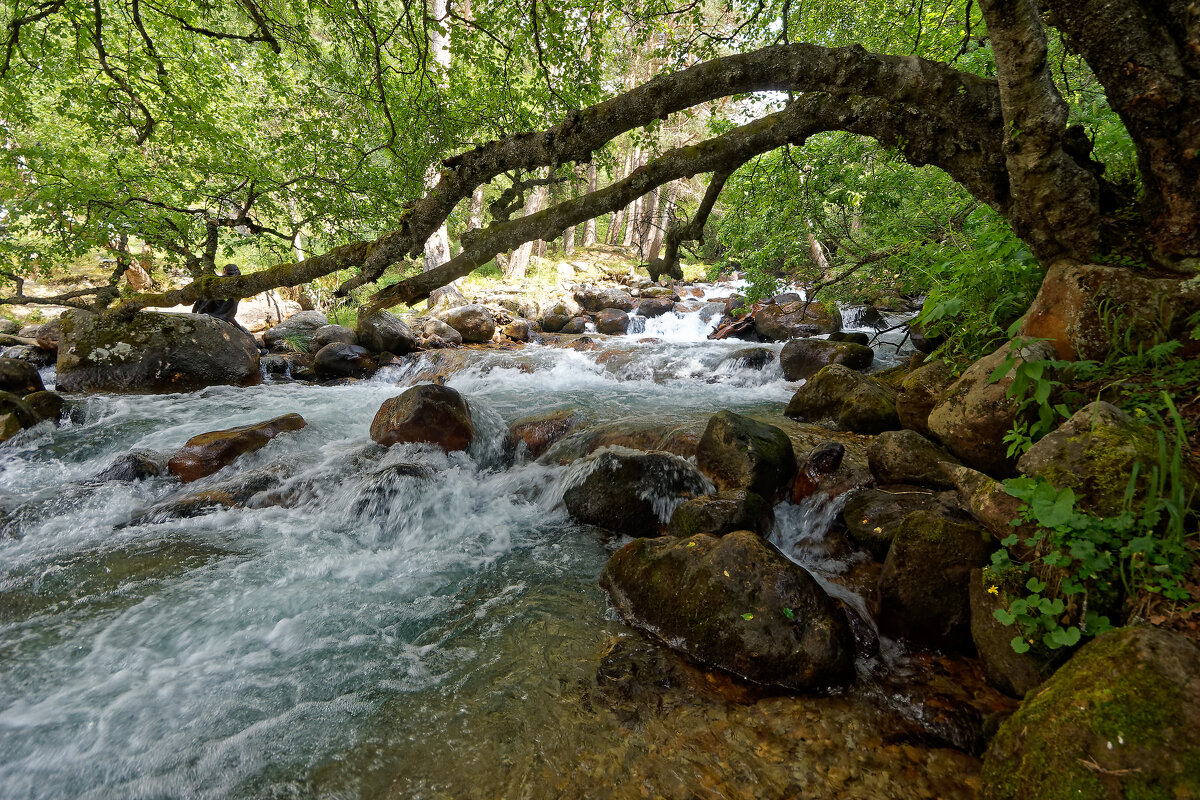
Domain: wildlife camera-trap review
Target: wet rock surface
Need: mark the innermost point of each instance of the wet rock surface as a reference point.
(745, 609)
(19, 377)
(631, 492)
(872, 516)
(795, 319)
(340, 360)
(919, 393)
(802, 358)
(722, 513)
(474, 323)
(738, 452)
(848, 399)
(906, 456)
(429, 413)
(209, 452)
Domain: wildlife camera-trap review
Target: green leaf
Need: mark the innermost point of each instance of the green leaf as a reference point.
(747, 616)
(787, 612)
(1019, 645)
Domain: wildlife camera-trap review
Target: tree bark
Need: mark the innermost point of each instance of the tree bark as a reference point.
(660, 227)
(437, 246)
(589, 227)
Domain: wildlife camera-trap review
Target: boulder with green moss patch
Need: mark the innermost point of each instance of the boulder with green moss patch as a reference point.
(851, 400)
(919, 393)
(722, 513)
(1006, 669)
(801, 358)
(738, 452)
(1121, 720)
(1094, 453)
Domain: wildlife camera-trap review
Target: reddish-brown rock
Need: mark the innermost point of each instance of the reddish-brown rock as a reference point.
(427, 413)
(205, 454)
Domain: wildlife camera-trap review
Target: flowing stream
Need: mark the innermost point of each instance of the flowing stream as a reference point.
(385, 633)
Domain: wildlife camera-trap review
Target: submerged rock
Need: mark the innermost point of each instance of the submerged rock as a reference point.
(852, 401)
(750, 358)
(1120, 720)
(426, 413)
(631, 492)
(738, 452)
(735, 603)
(801, 358)
(537, 433)
(135, 465)
(153, 352)
(47, 405)
(235, 492)
(205, 454)
(722, 513)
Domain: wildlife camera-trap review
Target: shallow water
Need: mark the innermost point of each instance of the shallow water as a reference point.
(383, 634)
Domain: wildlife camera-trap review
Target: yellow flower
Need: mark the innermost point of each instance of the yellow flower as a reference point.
(993, 590)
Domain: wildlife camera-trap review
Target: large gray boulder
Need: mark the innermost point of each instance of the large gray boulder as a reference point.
(338, 360)
(296, 331)
(595, 299)
(153, 353)
(386, 333)
(735, 603)
(792, 320)
(474, 322)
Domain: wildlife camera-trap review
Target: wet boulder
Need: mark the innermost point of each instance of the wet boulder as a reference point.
(1095, 453)
(595, 299)
(973, 415)
(873, 516)
(386, 333)
(47, 405)
(906, 456)
(538, 432)
(630, 491)
(851, 400)
(328, 334)
(575, 325)
(433, 328)
(339, 360)
(924, 589)
(296, 332)
(922, 341)
(31, 354)
(794, 320)
(851, 338)
(734, 603)
(821, 462)
(801, 358)
(738, 452)
(722, 513)
(17, 415)
(1120, 720)
(750, 358)
(426, 413)
(49, 334)
(153, 353)
(474, 323)
(19, 377)
(209, 452)
(612, 321)
(136, 465)
(919, 393)
(651, 307)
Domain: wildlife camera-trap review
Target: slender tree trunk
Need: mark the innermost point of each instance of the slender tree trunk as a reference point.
(475, 218)
(633, 209)
(519, 262)
(646, 223)
(568, 240)
(664, 219)
(589, 227)
(437, 246)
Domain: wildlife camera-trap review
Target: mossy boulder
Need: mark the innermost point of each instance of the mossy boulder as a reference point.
(153, 353)
(919, 393)
(19, 377)
(426, 413)
(207, 453)
(850, 400)
(906, 456)
(735, 603)
(924, 589)
(1119, 721)
(296, 332)
(630, 491)
(972, 417)
(801, 358)
(1095, 453)
(873, 516)
(47, 405)
(781, 322)
(738, 452)
(722, 513)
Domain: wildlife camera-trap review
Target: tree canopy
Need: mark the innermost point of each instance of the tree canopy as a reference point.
(306, 131)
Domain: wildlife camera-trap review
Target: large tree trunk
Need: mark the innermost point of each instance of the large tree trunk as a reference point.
(568, 240)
